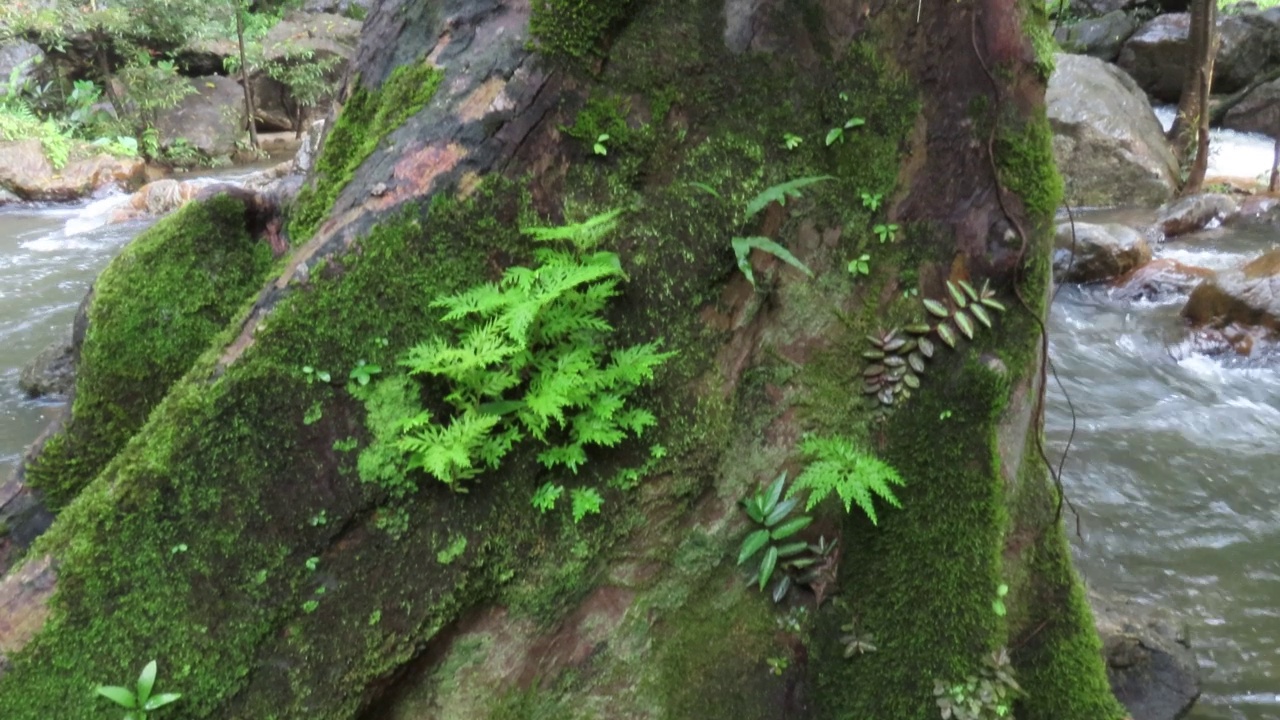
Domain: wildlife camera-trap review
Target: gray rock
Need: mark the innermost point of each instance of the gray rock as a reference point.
(8, 198)
(52, 372)
(19, 52)
(1193, 213)
(1155, 55)
(1152, 670)
(345, 8)
(1097, 252)
(323, 34)
(1107, 141)
(1258, 112)
(211, 119)
(1098, 37)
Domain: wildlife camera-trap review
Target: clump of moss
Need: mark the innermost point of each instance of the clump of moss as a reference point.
(366, 118)
(154, 309)
(1024, 156)
(574, 28)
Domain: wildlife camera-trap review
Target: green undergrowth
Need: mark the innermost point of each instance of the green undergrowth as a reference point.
(154, 309)
(366, 118)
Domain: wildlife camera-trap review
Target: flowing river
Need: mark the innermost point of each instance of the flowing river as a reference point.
(1170, 467)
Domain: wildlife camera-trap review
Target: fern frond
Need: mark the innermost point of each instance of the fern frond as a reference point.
(855, 476)
(635, 365)
(481, 300)
(584, 235)
(780, 192)
(571, 456)
(447, 451)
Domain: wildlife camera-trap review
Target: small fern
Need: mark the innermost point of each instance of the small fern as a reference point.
(531, 359)
(837, 465)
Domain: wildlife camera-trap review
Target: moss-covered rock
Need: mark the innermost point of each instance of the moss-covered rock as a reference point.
(155, 308)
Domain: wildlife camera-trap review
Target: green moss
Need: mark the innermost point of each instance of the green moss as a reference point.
(154, 309)
(574, 29)
(1024, 156)
(366, 118)
(710, 656)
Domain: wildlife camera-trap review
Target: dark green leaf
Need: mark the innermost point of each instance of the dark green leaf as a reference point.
(980, 313)
(791, 527)
(956, 295)
(774, 494)
(936, 308)
(780, 511)
(743, 246)
(767, 565)
(780, 589)
(994, 304)
(752, 545)
(964, 323)
(968, 290)
(779, 193)
(946, 334)
(792, 549)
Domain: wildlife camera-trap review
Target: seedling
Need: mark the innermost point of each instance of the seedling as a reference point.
(139, 702)
(887, 232)
(860, 266)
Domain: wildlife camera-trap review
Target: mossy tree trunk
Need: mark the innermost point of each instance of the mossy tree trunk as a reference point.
(251, 538)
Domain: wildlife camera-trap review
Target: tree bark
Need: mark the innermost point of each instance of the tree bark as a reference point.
(1274, 183)
(248, 536)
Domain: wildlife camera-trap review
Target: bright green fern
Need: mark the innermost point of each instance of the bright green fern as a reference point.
(531, 359)
(836, 464)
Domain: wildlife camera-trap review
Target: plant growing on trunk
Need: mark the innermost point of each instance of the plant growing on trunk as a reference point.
(139, 702)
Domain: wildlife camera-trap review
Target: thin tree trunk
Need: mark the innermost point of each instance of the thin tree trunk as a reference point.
(104, 69)
(1274, 184)
(1189, 134)
(250, 109)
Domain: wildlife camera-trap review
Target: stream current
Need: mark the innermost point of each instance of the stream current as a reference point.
(1170, 467)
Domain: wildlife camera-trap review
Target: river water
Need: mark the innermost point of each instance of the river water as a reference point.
(1170, 468)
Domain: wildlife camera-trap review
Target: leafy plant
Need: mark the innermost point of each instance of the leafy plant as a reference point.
(837, 465)
(987, 695)
(545, 497)
(363, 372)
(887, 232)
(772, 513)
(856, 643)
(898, 358)
(791, 141)
(586, 501)
(313, 375)
(861, 265)
(837, 134)
(455, 549)
(599, 146)
(531, 358)
(138, 702)
(742, 246)
(872, 201)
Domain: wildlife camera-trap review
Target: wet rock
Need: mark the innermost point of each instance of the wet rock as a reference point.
(28, 174)
(1258, 112)
(1248, 297)
(154, 199)
(1100, 252)
(1257, 211)
(206, 56)
(8, 198)
(1189, 214)
(210, 119)
(322, 34)
(1106, 137)
(1157, 280)
(1152, 670)
(52, 372)
(1098, 37)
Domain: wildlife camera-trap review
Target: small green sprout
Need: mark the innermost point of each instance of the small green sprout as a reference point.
(872, 201)
(887, 232)
(791, 141)
(861, 265)
(139, 702)
(599, 146)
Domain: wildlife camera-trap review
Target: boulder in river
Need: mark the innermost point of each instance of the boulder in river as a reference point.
(1106, 138)
(52, 372)
(1150, 664)
(1158, 279)
(1195, 212)
(1257, 112)
(1097, 252)
(1155, 55)
(1099, 37)
(26, 172)
(154, 199)
(1248, 297)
